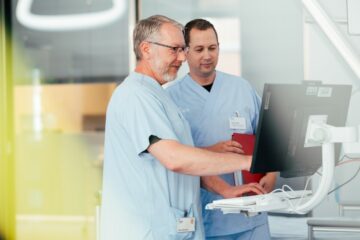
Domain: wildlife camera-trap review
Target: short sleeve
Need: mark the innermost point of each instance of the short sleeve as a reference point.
(145, 116)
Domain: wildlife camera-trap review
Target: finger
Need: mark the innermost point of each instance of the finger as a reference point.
(235, 144)
(254, 184)
(236, 150)
(262, 181)
(231, 143)
(259, 188)
(250, 189)
(233, 149)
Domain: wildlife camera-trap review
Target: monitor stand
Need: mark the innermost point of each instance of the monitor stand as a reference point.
(317, 134)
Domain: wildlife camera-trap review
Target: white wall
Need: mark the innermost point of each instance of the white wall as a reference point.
(272, 41)
(323, 62)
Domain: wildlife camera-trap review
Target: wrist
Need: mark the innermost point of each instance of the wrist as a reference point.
(246, 160)
(226, 191)
(209, 148)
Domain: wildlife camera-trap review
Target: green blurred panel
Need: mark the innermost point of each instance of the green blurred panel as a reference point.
(7, 211)
(57, 173)
(58, 177)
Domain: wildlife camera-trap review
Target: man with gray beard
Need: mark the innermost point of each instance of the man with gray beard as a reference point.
(151, 184)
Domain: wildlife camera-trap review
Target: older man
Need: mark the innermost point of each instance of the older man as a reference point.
(217, 105)
(150, 184)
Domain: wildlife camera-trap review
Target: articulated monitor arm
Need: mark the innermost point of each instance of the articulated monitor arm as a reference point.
(326, 135)
(318, 134)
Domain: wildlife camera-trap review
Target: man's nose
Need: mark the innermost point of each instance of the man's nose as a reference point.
(207, 54)
(181, 56)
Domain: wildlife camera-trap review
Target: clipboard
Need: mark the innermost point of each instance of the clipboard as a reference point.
(248, 143)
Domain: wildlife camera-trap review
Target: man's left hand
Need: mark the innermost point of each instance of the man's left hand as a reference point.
(268, 181)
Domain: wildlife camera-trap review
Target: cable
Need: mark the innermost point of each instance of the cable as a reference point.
(303, 194)
(343, 161)
(282, 189)
(349, 161)
(292, 206)
(343, 184)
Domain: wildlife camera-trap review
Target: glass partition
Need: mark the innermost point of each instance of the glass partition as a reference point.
(262, 40)
(62, 81)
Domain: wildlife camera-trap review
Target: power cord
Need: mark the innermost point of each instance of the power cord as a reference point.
(346, 182)
(293, 207)
(344, 160)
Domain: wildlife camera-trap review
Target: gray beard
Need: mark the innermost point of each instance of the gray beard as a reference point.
(168, 78)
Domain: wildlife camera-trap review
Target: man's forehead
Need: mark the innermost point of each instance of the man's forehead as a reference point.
(172, 34)
(168, 27)
(203, 36)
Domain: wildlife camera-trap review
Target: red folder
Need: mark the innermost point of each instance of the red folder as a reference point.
(248, 142)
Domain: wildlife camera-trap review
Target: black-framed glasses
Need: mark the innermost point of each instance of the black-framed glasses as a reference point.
(176, 50)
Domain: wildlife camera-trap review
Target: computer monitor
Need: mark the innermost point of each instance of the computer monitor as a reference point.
(284, 116)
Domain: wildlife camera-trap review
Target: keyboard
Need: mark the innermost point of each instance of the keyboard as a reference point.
(250, 200)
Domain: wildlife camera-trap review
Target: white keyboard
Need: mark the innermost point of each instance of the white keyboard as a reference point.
(250, 200)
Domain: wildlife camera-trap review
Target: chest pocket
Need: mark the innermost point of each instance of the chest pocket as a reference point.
(248, 115)
(177, 120)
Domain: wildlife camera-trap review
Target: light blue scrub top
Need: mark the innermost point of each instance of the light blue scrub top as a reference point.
(141, 198)
(208, 114)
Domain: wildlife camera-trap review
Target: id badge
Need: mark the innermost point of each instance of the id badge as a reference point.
(237, 123)
(186, 224)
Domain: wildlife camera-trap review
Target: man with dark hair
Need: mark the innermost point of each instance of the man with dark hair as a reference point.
(151, 188)
(217, 105)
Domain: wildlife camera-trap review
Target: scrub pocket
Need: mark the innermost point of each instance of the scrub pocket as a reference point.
(176, 214)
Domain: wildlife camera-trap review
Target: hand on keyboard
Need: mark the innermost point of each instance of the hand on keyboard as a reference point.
(238, 191)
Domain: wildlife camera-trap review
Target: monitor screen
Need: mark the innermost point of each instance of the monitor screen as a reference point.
(285, 112)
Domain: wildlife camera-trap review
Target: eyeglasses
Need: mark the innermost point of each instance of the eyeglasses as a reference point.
(176, 50)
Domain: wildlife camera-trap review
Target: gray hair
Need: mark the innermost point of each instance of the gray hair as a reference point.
(148, 29)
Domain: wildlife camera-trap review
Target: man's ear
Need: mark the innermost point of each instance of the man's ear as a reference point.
(145, 50)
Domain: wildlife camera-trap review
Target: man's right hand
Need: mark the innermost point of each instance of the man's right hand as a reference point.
(231, 146)
(226, 146)
(238, 191)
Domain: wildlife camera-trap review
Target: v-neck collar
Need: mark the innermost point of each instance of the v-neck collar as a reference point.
(200, 89)
(209, 99)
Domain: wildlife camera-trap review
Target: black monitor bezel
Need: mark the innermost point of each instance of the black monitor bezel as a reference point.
(294, 160)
